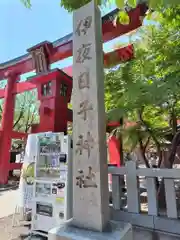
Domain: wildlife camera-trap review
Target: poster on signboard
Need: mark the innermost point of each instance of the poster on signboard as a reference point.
(26, 183)
(27, 173)
(51, 144)
(48, 163)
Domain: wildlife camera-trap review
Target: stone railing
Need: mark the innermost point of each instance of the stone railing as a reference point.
(136, 198)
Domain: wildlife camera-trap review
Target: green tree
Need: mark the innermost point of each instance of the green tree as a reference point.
(146, 89)
(123, 5)
(26, 111)
(71, 5)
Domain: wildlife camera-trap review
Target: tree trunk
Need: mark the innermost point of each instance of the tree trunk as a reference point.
(160, 154)
(151, 134)
(168, 164)
(121, 144)
(173, 121)
(142, 152)
(175, 143)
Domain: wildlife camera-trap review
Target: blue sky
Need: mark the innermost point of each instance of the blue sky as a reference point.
(22, 28)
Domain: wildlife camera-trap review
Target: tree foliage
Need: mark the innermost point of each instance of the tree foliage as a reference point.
(72, 5)
(123, 5)
(146, 89)
(26, 111)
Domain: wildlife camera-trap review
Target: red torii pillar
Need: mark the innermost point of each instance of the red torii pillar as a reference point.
(6, 127)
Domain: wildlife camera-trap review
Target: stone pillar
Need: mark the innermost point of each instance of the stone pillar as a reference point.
(90, 182)
(91, 218)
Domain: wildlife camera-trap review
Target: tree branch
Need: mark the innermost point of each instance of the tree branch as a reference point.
(27, 121)
(158, 146)
(142, 151)
(19, 118)
(175, 143)
(31, 122)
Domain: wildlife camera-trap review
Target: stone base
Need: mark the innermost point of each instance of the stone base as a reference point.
(120, 231)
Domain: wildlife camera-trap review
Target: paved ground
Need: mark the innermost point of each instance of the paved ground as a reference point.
(9, 233)
(16, 233)
(142, 234)
(8, 201)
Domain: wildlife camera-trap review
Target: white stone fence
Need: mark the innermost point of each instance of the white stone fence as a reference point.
(139, 203)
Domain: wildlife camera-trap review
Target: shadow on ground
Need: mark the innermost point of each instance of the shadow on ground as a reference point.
(143, 234)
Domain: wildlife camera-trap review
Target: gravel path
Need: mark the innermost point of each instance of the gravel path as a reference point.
(8, 202)
(11, 233)
(15, 233)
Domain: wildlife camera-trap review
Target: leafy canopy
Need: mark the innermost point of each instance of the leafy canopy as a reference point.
(72, 5)
(123, 5)
(146, 89)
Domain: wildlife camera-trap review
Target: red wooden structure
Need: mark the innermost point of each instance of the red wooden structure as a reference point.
(54, 87)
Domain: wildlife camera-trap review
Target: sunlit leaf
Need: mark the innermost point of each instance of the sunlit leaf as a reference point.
(27, 3)
(72, 5)
(98, 2)
(132, 3)
(120, 3)
(115, 115)
(123, 18)
(153, 4)
(150, 81)
(149, 16)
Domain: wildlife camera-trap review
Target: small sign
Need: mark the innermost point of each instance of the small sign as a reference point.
(54, 191)
(60, 200)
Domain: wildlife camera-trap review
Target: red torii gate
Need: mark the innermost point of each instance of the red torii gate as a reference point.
(40, 57)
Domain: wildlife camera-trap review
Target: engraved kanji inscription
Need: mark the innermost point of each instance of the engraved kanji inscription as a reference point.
(39, 60)
(87, 144)
(83, 80)
(80, 179)
(85, 106)
(83, 26)
(88, 181)
(84, 53)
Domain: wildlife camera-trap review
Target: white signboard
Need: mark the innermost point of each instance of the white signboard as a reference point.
(27, 172)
